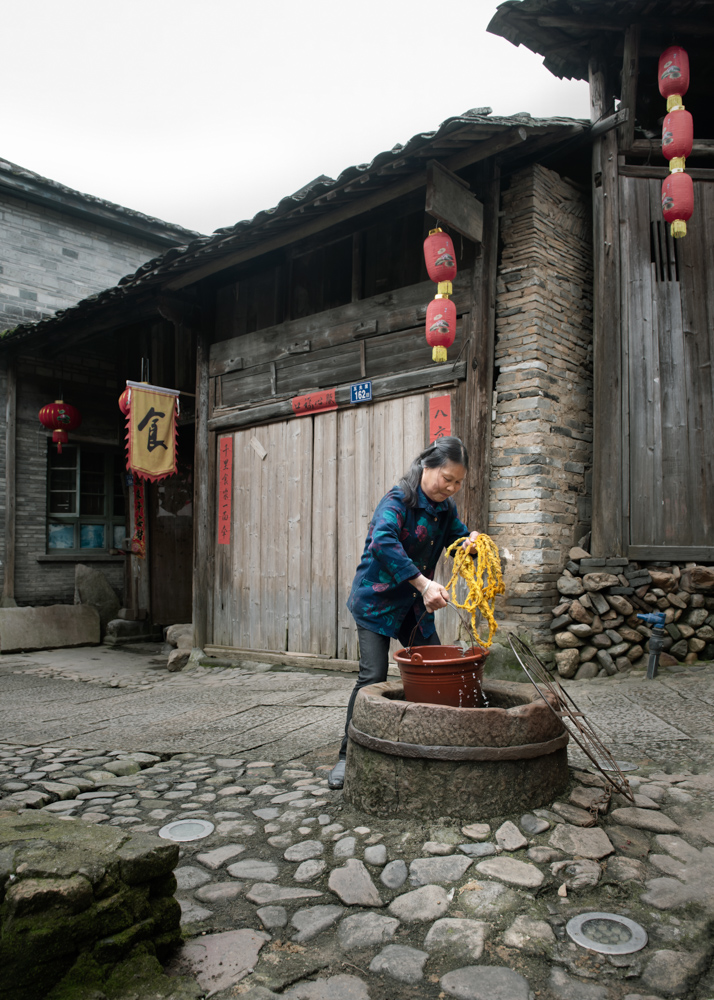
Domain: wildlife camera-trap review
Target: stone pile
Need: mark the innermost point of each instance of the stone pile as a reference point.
(595, 625)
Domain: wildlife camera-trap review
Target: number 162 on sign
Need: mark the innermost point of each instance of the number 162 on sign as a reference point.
(361, 392)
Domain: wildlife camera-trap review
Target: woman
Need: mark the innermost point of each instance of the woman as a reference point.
(393, 586)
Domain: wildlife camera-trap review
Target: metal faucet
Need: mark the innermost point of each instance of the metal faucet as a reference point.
(656, 619)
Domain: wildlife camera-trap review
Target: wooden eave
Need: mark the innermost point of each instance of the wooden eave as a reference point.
(566, 35)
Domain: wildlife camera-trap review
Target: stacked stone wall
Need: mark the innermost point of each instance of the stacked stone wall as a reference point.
(596, 625)
(51, 260)
(542, 420)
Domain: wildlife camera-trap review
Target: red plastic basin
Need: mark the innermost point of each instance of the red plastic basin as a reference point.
(442, 675)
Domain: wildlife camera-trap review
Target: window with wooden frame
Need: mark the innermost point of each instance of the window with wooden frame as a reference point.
(86, 507)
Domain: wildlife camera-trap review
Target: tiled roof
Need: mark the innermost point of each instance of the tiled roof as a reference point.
(321, 196)
(22, 183)
(568, 32)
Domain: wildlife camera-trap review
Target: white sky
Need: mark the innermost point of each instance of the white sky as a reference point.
(203, 112)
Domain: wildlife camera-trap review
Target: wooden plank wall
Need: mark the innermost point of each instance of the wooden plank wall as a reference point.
(341, 345)
(668, 320)
(299, 520)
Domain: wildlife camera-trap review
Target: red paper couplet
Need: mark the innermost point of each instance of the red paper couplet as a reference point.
(439, 417)
(138, 541)
(314, 402)
(225, 490)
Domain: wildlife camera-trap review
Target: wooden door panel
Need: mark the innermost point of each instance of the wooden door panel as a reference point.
(668, 310)
(299, 521)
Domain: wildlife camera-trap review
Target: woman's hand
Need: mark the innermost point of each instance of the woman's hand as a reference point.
(435, 597)
(470, 544)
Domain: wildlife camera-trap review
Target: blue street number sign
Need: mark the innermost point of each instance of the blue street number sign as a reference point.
(361, 392)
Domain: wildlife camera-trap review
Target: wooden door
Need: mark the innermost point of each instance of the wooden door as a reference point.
(170, 540)
(303, 493)
(668, 325)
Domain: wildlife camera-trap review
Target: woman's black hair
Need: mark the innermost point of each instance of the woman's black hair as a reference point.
(439, 452)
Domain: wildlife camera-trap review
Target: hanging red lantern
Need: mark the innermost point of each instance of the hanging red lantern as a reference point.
(440, 256)
(678, 201)
(125, 401)
(440, 326)
(673, 75)
(677, 137)
(59, 417)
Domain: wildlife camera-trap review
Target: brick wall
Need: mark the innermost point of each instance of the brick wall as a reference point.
(49, 260)
(542, 431)
(90, 383)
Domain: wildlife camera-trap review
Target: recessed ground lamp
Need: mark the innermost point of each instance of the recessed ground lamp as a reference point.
(182, 830)
(440, 259)
(59, 417)
(607, 933)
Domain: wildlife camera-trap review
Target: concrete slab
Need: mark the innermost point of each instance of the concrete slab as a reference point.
(60, 625)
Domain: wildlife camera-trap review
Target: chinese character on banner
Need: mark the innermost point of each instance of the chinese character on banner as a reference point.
(225, 489)
(151, 431)
(439, 417)
(315, 402)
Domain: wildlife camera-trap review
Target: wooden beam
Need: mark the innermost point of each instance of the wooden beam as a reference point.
(580, 23)
(449, 200)
(696, 173)
(653, 147)
(662, 26)
(628, 84)
(608, 456)
(480, 359)
(479, 151)
(613, 121)
(114, 315)
(382, 388)
(8, 592)
(203, 502)
(316, 661)
(671, 553)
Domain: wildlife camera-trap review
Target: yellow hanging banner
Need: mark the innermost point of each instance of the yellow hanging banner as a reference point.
(151, 430)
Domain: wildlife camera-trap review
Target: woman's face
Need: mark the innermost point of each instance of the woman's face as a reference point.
(443, 482)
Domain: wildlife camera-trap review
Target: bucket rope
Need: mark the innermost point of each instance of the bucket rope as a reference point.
(483, 578)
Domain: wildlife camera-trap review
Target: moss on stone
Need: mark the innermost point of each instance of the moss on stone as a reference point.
(139, 975)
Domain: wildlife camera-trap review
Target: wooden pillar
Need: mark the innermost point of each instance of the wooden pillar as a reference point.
(8, 592)
(608, 495)
(480, 358)
(628, 91)
(203, 502)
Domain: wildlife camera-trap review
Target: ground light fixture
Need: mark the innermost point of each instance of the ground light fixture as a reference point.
(182, 830)
(608, 933)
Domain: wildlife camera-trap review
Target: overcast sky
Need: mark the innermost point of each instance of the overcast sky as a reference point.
(203, 113)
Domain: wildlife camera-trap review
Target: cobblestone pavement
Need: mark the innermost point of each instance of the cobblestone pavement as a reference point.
(295, 895)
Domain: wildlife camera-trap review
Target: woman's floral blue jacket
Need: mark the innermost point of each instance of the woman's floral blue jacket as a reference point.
(402, 542)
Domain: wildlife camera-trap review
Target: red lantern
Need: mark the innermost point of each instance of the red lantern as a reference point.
(673, 75)
(678, 201)
(440, 326)
(440, 256)
(125, 401)
(59, 417)
(677, 137)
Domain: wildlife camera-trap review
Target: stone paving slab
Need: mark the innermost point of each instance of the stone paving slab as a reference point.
(265, 793)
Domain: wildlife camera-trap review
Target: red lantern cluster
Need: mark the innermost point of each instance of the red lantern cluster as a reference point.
(440, 260)
(59, 417)
(677, 139)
